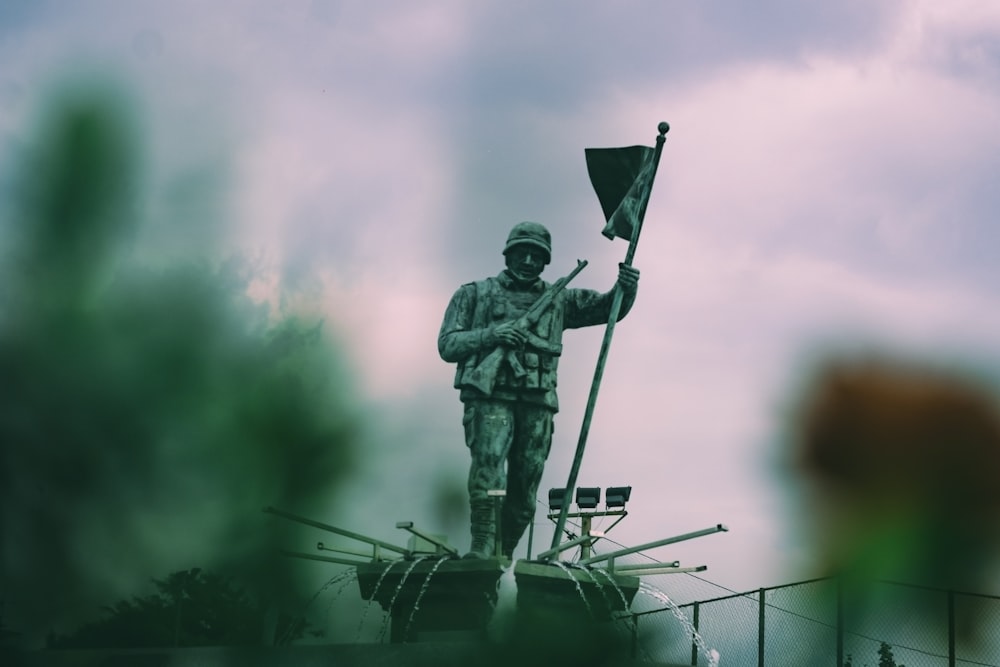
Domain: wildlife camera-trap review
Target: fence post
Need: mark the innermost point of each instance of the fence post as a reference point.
(694, 644)
(840, 621)
(760, 630)
(951, 628)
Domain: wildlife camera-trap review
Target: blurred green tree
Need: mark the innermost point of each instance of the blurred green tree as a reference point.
(188, 608)
(885, 656)
(147, 414)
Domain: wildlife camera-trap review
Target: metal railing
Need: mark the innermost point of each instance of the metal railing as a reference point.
(820, 624)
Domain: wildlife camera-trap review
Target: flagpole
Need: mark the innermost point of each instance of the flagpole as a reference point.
(616, 304)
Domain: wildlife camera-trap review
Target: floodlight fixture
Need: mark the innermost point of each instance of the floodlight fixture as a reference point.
(587, 497)
(556, 499)
(617, 496)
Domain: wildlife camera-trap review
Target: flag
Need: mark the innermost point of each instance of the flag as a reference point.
(622, 179)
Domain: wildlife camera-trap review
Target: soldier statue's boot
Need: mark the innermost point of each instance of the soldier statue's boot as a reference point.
(507, 548)
(510, 535)
(483, 529)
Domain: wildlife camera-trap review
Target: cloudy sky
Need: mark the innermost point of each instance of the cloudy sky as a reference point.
(828, 183)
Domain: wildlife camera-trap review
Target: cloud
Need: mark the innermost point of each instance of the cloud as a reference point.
(871, 163)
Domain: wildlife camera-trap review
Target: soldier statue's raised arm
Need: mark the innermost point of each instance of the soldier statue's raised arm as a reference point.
(508, 429)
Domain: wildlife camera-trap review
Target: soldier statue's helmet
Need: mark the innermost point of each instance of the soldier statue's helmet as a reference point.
(530, 233)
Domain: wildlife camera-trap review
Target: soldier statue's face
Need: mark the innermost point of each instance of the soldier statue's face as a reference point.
(526, 262)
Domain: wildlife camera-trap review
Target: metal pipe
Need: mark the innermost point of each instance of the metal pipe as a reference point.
(602, 357)
(577, 515)
(433, 539)
(325, 559)
(761, 618)
(333, 529)
(531, 534)
(639, 571)
(585, 548)
(350, 552)
(576, 541)
(652, 545)
(951, 628)
(640, 566)
(694, 644)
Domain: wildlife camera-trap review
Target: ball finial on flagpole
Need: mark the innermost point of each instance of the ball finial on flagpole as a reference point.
(663, 127)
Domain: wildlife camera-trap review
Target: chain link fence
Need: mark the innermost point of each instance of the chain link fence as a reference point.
(816, 623)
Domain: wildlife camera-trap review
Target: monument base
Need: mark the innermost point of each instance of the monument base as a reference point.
(434, 596)
(450, 597)
(572, 591)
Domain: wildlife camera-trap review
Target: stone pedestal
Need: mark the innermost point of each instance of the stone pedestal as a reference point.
(459, 595)
(572, 592)
(435, 598)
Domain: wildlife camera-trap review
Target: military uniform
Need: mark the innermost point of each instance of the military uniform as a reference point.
(509, 431)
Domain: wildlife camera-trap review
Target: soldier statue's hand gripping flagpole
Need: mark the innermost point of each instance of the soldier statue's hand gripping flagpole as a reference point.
(622, 179)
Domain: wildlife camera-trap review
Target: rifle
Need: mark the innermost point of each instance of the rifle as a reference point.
(484, 375)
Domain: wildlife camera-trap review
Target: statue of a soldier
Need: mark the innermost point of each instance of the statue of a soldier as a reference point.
(508, 429)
